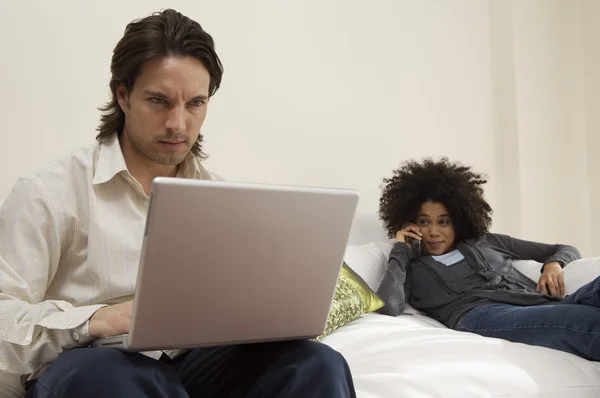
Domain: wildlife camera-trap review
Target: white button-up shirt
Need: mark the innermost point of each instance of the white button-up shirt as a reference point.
(70, 243)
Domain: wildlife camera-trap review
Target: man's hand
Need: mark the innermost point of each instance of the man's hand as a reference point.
(111, 321)
(552, 281)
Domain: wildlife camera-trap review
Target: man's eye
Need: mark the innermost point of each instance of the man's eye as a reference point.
(156, 100)
(197, 103)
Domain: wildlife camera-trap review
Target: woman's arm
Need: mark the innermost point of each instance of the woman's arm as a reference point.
(528, 250)
(394, 289)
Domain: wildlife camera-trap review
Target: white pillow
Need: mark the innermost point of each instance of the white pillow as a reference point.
(529, 268)
(576, 273)
(581, 272)
(369, 261)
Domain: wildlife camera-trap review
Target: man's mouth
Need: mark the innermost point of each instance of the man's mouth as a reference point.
(172, 145)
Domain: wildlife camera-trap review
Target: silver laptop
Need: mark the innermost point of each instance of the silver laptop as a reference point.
(227, 263)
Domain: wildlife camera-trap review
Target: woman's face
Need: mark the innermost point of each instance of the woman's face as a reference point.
(437, 228)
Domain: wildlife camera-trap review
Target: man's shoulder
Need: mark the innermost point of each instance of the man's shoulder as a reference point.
(204, 173)
(57, 183)
(210, 175)
(75, 162)
(63, 173)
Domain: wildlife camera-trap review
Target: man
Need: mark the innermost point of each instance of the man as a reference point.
(70, 241)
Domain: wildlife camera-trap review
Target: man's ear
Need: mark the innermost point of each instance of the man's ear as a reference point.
(123, 97)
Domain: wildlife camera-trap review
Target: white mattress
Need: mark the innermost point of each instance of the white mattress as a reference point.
(414, 356)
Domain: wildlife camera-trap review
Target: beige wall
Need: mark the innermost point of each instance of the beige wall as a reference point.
(337, 93)
(590, 37)
(541, 125)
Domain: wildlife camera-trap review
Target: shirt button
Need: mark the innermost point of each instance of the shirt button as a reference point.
(76, 336)
(28, 339)
(146, 203)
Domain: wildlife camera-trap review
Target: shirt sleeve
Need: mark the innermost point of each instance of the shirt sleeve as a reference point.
(33, 331)
(394, 289)
(541, 252)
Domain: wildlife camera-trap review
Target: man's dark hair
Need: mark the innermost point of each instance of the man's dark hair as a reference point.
(162, 34)
(450, 183)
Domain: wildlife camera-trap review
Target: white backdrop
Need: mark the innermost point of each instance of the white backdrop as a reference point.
(337, 93)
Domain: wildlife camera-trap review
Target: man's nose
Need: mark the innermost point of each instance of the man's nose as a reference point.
(176, 119)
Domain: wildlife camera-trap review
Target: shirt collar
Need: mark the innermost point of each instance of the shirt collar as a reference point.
(110, 161)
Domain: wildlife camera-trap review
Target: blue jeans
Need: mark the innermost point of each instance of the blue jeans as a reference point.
(283, 369)
(572, 325)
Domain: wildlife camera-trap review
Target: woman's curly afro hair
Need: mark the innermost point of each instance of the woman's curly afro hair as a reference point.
(449, 183)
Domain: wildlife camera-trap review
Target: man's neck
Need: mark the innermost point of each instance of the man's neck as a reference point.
(143, 169)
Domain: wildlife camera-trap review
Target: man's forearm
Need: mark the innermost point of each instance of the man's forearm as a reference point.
(35, 334)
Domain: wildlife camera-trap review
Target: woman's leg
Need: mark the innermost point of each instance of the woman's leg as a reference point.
(588, 294)
(567, 327)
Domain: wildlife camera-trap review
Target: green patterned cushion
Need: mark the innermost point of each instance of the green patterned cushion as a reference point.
(352, 298)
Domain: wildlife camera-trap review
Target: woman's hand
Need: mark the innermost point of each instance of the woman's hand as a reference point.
(409, 230)
(552, 281)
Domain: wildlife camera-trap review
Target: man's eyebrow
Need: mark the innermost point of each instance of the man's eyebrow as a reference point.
(200, 97)
(158, 94)
(153, 93)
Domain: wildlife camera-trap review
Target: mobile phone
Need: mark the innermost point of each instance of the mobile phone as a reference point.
(415, 245)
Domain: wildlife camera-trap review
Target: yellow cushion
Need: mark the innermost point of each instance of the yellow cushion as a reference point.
(352, 298)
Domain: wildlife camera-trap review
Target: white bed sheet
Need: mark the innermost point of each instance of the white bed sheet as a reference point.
(413, 356)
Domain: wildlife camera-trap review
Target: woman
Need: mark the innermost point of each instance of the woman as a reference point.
(463, 275)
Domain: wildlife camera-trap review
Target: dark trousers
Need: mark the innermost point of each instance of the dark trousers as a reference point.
(572, 325)
(283, 369)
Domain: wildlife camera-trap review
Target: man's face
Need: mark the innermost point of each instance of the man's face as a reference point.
(165, 109)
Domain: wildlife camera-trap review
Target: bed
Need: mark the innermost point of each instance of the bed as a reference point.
(414, 356)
